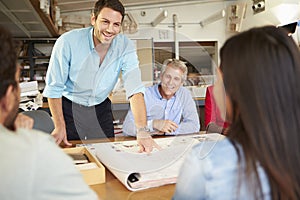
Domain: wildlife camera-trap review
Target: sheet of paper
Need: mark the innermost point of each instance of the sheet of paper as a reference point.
(158, 168)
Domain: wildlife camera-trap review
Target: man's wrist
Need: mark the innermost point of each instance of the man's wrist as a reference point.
(143, 129)
(143, 132)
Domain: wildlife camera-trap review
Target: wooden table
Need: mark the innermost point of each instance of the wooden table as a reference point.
(115, 190)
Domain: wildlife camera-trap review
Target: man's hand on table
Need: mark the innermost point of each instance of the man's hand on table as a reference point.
(60, 135)
(146, 142)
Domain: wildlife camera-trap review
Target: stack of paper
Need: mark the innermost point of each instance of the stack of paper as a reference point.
(29, 88)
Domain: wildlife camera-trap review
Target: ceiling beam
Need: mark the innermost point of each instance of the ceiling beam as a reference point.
(47, 21)
(76, 6)
(17, 22)
(59, 3)
(76, 10)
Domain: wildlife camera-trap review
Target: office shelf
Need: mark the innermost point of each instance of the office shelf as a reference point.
(34, 58)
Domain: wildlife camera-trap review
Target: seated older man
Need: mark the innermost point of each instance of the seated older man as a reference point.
(171, 109)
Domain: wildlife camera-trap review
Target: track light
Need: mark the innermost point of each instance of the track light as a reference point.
(163, 15)
(215, 17)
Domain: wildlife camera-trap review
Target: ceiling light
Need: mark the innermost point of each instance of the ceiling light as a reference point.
(163, 15)
(213, 18)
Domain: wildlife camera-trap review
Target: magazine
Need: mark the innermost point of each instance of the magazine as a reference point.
(139, 171)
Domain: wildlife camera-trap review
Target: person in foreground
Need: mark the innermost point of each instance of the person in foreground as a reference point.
(84, 67)
(171, 109)
(32, 166)
(260, 158)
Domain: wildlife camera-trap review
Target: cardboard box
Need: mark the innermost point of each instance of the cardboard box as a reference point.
(91, 176)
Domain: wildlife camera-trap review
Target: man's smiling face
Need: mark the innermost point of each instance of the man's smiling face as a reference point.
(106, 25)
(171, 80)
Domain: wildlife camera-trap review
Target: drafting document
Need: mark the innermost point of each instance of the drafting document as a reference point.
(139, 171)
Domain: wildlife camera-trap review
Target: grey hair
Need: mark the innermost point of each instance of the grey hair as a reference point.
(176, 64)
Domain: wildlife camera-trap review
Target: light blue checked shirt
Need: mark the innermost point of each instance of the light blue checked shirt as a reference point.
(181, 109)
(75, 72)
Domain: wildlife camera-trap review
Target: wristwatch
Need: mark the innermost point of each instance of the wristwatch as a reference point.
(143, 129)
(143, 132)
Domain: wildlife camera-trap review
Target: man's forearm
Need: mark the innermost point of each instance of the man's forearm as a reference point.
(138, 108)
(55, 105)
(143, 136)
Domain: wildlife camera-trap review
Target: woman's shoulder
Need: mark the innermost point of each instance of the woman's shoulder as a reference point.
(217, 151)
(214, 143)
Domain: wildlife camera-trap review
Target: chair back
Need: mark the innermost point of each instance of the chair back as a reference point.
(42, 120)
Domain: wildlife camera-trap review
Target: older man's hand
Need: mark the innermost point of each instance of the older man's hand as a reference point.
(165, 126)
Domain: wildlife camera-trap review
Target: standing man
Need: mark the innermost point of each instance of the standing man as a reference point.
(171, 109)
(84, 67)
(32, 166)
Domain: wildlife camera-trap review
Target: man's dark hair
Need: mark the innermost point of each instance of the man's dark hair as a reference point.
(113, 4)
(8, 61)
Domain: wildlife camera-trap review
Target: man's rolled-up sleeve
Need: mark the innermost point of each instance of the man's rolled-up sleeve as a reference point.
(58, 70)
(131, 72)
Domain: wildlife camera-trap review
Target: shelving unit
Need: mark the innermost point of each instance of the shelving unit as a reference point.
(34, 59)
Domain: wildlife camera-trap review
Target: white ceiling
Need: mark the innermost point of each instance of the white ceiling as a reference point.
(87, 5)
(25, 19)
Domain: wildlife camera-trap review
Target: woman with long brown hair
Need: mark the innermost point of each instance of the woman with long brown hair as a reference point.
(259, 87)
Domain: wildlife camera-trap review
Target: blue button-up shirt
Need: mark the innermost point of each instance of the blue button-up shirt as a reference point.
(75, 72)
(211, 171)
(181, 109)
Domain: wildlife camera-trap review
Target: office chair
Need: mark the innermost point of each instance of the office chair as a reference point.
(42, 120)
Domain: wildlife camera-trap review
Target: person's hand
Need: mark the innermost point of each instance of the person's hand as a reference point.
(158, 133)
(60, 135)
(23, 121)
(165, 126)
(146, 142)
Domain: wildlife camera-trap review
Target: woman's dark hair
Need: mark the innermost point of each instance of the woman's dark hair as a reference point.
(8, 61)
(261, 73)
(113, 4)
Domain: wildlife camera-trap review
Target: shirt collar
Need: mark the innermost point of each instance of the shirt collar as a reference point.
(157, 91)
(91, 41)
